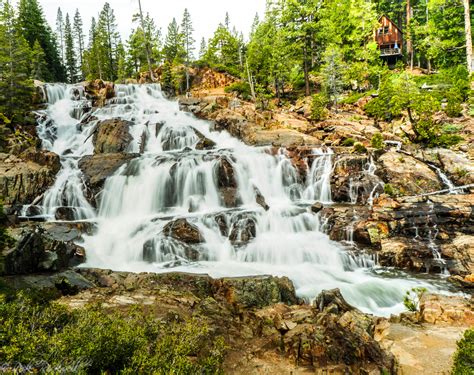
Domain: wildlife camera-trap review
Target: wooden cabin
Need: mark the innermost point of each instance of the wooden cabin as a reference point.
(389, 38)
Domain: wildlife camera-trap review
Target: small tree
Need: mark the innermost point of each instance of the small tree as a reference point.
(332, 74)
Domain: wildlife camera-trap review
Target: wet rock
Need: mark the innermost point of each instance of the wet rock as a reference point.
(352, 181)
(183, 231)
(221, 221)
(225, 174)
(99, 91)
(407, 175)
(37, 251)
(234, 123)
(460, 254)
(244, 229)
(317, 207)
(204, 143)
(65, 214)
(260, 199)
(405, 253)
(112, 136)
(456, 165)
(227, 183)
(24, 178)
(96, 168)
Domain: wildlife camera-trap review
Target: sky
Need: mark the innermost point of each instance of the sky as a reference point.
(205, 14)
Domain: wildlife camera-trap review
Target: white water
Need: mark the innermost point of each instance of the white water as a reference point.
(173, 180)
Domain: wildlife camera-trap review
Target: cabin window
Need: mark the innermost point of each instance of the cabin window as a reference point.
(384, 30)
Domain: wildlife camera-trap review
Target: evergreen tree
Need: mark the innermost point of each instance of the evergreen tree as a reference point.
(173, 50)
(34, 27)
(92, 65)
(188, 41)
(38, 63)
(78, 34)
(106, 41)
(70, 54)
(16, 87)
(60, 32)
(202, 48)
(227, 21)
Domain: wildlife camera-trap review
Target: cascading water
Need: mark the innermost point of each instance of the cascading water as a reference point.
(171, 180)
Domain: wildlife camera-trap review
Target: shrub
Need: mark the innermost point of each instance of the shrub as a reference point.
(389, 190)
(377, 141)
(464, 356)
(319, 107)
(360, 148)
(348, 142)
(5, 239)
(454, 103)
(412, 298)
(241, 88)
(96, 341)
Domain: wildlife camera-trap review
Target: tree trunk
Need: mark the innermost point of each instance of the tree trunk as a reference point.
(306, 71)
(409, 36)
(147, 43)
(467, 25)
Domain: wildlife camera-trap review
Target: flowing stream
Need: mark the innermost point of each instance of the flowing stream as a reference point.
(171, 179)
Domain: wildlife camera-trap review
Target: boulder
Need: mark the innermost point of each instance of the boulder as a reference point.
(407, 175)
(97, 168)
(183, 231)
(112, 136)
(458, 167)
(204, 143)
(226, 182)
(36, 250)
(24, 178)
(460, 254)
(243, 230)
(99, 91)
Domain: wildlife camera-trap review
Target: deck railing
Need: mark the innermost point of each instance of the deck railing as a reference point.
(390, 51)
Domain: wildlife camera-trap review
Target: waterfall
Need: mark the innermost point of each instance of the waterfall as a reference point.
(219, 192)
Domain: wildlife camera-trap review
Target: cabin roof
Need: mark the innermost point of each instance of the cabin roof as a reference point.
(393, 23)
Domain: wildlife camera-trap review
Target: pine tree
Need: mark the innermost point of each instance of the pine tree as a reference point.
(174, 47)
(70, 55)
(60, 32)
(107, 40)
(38, 63)
(202, 48)
(227, 21)
(16, 87)
(78, 34)
(34, 27)
(188, 41)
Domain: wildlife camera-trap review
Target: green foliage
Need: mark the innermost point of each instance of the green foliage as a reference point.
(241, 88)
(70, 53)
(5, 239)
(319, 107)
(348, 142)
(413, 297)
(389, 190)
(464, 356)
(16, 87)
(377, 141)
(360, 148)
(454, 101)
(96, 341)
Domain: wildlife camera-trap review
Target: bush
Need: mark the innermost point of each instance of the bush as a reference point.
(241, 88)
(377, 141)
(93, 340)
(412, 298)
(464, 356)
(348, 142)
(360, 148)
(389, 190)
(454, 103)
(319, 107)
